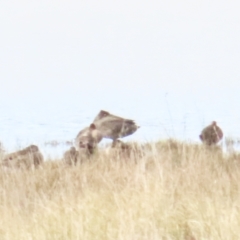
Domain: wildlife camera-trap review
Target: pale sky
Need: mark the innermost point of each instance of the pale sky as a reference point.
(173, 66)
(78, 47)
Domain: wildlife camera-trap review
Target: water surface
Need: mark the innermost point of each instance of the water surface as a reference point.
(161, 115)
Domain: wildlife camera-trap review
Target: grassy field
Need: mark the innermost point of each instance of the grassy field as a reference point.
(164, 190)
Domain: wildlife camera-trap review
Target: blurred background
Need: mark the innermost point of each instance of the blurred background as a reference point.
(171, 66)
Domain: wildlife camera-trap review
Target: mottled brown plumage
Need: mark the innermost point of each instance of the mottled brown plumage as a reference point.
(88, 138)
(70, 157)
(114, 127)
(120, 145)
(74, 157)
(27, 157)
(211, 134)
(126, 150)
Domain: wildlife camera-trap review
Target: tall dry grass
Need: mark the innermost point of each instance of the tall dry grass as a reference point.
(172, 190)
